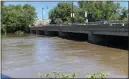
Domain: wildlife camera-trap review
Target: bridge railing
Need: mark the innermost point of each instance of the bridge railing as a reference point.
(118, 21)
(89, 23)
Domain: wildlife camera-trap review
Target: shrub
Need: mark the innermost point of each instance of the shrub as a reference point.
(99, 75)
(3, 29)
(19, 33)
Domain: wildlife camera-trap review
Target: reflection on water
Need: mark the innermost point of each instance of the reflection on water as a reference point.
(26, 56)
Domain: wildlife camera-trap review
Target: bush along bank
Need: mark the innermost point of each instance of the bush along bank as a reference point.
(96, 75)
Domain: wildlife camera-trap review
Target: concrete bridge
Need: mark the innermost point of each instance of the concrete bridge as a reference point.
(95, 33)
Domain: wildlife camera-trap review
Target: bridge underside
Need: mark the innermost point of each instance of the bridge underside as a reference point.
(108, 40)
(93, 33)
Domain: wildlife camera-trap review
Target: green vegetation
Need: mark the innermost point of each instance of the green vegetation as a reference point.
(17, 17)
(62, 14)
(107, 10)
(101, 9)
(99, 75)
(3, 29)
(19, 33)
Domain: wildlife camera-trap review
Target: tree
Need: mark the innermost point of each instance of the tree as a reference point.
(18, 17)
(62, 14)
(29, 16)
(3, 28)
(124, 13)
(100, 9)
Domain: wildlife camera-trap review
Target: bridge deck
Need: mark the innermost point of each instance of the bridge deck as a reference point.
(103, 29)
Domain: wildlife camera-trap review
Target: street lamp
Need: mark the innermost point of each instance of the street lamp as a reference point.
(42, 13)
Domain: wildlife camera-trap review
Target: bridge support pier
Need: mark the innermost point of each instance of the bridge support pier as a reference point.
(37, 32)
(46, 33)
(61, 34)
(31, 31)
(95, 38)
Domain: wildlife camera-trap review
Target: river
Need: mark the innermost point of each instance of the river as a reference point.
(24, 57)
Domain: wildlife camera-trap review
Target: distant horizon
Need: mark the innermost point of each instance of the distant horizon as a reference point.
(39, 5)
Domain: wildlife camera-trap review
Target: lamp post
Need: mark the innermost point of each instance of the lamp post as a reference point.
(42, 13)
(72, 13)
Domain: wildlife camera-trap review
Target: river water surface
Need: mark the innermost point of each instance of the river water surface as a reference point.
(24, 57)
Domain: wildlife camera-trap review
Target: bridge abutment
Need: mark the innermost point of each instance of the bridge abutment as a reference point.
(37, 32)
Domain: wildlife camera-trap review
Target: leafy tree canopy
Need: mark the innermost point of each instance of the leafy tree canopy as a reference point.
(18, 17)
(62, 14)
(107, 10)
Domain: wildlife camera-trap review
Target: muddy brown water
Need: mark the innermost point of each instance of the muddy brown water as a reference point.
(24, 57)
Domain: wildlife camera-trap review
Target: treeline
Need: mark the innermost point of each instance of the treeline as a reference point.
(17, 17)
(107, 10)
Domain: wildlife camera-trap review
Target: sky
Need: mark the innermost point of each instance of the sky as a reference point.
(50, 5)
